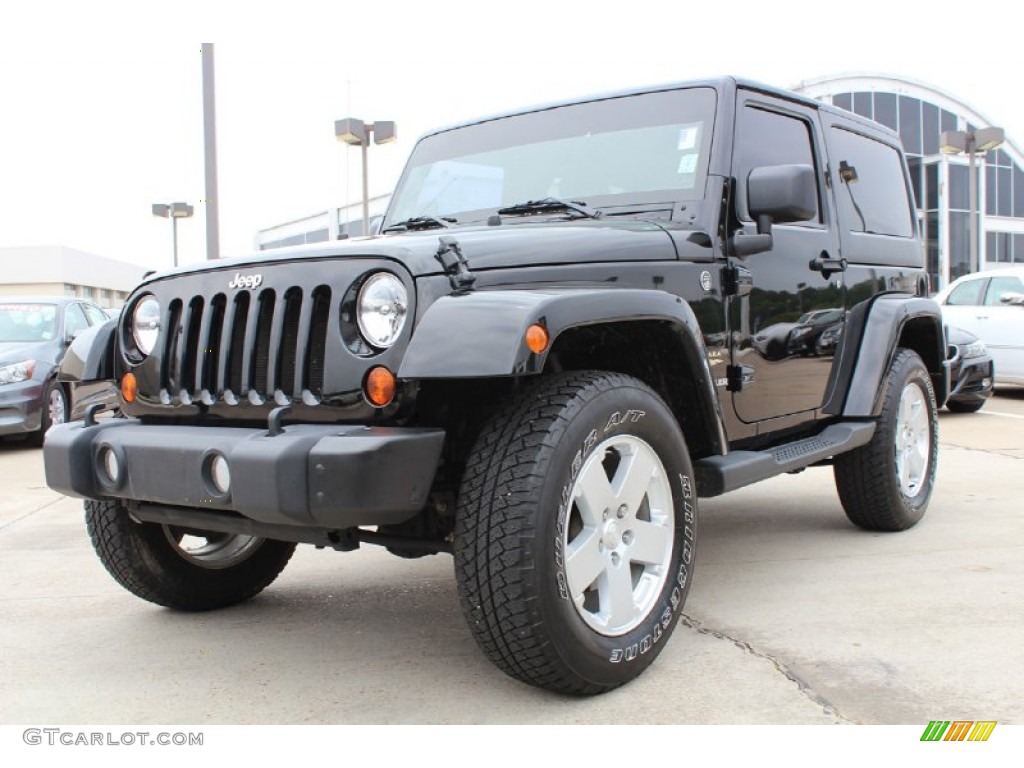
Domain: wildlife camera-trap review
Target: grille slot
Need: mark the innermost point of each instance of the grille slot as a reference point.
(233, 379)
(261, 353)
(317, 346)
(286, 361)
(211, 344)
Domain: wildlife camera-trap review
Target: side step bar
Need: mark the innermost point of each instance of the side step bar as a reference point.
(720, 474)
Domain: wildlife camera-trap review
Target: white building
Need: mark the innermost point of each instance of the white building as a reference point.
(332, 224)
(55, 270)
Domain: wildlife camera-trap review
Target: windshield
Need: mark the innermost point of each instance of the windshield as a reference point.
(28, 322)
(651, 147)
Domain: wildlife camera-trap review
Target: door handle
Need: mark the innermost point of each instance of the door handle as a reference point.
(827, 265)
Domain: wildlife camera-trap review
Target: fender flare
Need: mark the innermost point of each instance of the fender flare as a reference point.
(874, 330)
(90, 357)
(482, 334)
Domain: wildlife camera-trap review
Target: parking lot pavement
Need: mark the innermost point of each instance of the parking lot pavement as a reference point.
(795, 617)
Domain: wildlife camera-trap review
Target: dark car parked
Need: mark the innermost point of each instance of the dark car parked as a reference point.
(34, 334)
(971, 374)
(804, 337)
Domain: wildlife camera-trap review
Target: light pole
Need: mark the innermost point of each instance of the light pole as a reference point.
(357, 134)
(973, 143)
(173, 211)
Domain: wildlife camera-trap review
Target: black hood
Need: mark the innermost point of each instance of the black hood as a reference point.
(498, 247)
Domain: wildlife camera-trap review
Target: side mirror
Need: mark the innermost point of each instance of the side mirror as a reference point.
(1013, 299)
(782, 193)
(73, 335)
(776, 194)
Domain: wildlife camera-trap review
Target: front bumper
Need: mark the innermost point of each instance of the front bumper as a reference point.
(972, 381)
(20, 407)
(316, 476)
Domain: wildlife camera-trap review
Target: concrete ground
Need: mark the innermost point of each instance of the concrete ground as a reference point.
(795, 617)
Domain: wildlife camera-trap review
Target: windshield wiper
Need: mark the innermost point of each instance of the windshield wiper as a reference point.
(421, 222)
(549, 205)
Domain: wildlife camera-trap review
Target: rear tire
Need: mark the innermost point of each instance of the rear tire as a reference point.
(53, 409)
(157, 563)
(886, 484)
(575, 532)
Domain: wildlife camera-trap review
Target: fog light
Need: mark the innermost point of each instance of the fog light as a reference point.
(111, 465)
(220, 474)
(986, 382)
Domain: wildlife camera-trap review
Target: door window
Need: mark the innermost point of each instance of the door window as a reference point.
(74, 320)
(771, 138)
(95, 314)
(998, 287)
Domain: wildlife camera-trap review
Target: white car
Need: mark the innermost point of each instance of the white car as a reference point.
(990, 305)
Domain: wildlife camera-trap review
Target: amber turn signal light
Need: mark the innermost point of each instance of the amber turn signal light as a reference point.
(379, 386)
(537, 338)
(129, 387)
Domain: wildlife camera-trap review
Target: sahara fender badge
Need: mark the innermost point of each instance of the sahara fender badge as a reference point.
(705, 280)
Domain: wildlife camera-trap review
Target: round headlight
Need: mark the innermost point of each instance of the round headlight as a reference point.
(382, 307)
(146, 324)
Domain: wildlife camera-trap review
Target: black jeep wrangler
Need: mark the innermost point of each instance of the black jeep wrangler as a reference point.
(575, 321)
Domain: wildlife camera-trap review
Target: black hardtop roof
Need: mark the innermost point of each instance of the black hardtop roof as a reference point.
(725, 83)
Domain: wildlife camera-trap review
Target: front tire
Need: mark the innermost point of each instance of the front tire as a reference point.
(176, 568)
(886, 484)
(958, 406)
(54, 409)
(576, 531)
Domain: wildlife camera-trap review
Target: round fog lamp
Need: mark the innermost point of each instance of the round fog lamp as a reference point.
(111, 465)
(220, 474)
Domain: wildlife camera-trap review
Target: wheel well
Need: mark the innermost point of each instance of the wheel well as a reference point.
(655, 352)
(922, 334)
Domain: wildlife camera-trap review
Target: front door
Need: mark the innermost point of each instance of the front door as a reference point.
(782, 345)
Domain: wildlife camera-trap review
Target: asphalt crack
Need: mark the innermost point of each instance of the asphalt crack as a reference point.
(805, 690)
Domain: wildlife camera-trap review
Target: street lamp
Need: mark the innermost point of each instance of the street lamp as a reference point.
(356, 133)
(174, 211)
(973, 143)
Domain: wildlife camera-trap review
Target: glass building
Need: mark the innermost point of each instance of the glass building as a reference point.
(920, 113)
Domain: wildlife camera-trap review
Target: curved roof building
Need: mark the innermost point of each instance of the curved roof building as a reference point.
(920, 113)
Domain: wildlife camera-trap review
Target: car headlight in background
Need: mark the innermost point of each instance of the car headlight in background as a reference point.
(15, 372)
(145, 324)
(974, 349)
(381, 309)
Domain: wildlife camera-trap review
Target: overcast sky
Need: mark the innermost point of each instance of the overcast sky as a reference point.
(101, 102)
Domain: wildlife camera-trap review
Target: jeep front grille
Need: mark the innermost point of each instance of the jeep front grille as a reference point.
(253, 346)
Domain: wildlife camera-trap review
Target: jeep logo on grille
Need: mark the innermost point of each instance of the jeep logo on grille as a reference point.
(246, 281)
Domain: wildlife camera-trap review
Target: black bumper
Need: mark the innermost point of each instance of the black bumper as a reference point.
(317, 476)
(972, 380)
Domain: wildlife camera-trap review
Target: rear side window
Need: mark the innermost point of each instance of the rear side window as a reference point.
(771, 138)
(871, 192)
(967, 294)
